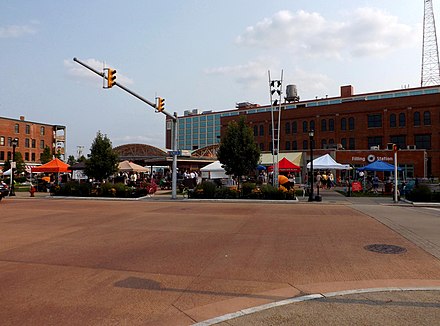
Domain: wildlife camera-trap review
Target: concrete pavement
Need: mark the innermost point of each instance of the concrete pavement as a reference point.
(182, 262)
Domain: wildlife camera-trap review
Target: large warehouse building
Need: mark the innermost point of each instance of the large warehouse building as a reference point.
(354, 128)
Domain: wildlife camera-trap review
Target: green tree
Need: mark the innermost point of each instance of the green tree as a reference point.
(238, 151)
(46, 156)
(103, 161)
(20, 166)
(71, 160)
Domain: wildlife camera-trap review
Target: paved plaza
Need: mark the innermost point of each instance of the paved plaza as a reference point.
(164, 262)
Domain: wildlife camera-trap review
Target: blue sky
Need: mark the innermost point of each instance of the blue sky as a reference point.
(196, 54)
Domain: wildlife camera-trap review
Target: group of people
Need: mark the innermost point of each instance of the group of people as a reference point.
(325, 180)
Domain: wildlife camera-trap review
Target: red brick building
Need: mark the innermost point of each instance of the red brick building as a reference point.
(32, 137)
(348, 126)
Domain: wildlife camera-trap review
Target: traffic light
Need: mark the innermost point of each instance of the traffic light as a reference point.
(111, 77)
(160, 105)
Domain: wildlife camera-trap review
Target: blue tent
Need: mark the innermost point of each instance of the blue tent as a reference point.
(379, 166)
(261, 167)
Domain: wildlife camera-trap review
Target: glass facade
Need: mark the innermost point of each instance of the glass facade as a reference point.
(198, 131)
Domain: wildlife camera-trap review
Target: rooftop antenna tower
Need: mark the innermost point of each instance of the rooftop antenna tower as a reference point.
(430, 59)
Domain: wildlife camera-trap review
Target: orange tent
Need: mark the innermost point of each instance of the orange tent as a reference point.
(55, 166)
(285, 165)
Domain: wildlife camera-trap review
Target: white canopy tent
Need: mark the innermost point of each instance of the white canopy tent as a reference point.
(326, 162)
(213, 171)
(8, 172)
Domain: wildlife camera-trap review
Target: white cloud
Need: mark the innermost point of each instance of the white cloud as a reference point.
(81, 73)
(365, 31)
(249, 74)
(15, 31)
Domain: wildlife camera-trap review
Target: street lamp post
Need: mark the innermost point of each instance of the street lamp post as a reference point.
(14, 145)
(311, 134)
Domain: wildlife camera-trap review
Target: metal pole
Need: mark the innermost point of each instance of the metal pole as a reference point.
(174, 176)
(11, 179)
(311, 168)
(395, 177)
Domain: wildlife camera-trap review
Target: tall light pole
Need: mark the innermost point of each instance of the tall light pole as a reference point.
(14, 144)
(311, 134)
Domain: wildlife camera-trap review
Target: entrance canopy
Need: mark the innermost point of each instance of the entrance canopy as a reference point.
(379, 166)
(55, 166)
(326, 162)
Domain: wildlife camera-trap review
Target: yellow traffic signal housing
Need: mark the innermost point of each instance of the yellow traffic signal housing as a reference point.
(160, 105)
(111, 78)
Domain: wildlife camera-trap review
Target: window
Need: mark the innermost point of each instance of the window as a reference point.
(34, 143)
(351, 143)
(323, 143)
(331, 141)
(2, 141)
(42, 144)
(26, 143)
(294, 145)
(261, 146)
(42, 131)
(33, 157)
(402, 120)
(287, 127)
(374, 120)
(287, 145)
(399, 140)
(305, 126)
(351, 123)
(423, 141)
(393, 121)
(374, 141)
(28, 129)
(331, 125)
(261, 130)
(427, 118)
(323, 125)
(17, 128)
(416, 119)
(312, 125)
(10, 141)
(255, 131)
(26, 156)
(305, 144)
(343, 124)
(2, 156)
(294, 127)
(344, 143)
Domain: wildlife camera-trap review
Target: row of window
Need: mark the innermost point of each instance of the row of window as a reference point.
(28, 143)
(420, 141)
(28, 157)
(28, 129)
(375, 120)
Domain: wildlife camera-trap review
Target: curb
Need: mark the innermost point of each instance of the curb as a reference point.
(304, 298)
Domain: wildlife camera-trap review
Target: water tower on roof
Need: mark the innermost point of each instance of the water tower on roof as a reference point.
(291, 94)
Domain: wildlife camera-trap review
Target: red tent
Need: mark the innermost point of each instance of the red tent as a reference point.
(286, 166)
(55, 166)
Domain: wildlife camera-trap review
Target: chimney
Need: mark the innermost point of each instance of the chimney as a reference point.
(347, 91)
(22, 117)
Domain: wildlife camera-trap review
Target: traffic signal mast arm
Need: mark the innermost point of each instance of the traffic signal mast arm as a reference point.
(114, 83)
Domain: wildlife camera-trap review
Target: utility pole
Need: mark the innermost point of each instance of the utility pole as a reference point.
(111, 81)
(430, 58)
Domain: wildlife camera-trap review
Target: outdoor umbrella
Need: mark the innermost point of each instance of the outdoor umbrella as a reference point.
(282, 179)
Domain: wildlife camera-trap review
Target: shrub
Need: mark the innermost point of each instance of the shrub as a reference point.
(247, 188)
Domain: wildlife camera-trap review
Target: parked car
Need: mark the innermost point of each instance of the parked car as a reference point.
(4, 190)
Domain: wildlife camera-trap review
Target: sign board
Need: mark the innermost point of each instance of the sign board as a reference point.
(356, 186)
(172, 153)
(79, 175)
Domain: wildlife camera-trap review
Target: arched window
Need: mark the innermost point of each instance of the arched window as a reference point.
(331, 125)
(402, 120)
(305, 144)
(393, 121)
(323, 125)
(305, 126)
(255, 131)
(287, 126)
(416, 119)
(323, 143)
(294, 127)
(261, 130)
(350, 123)
(427, 118)
(343, 124)
(312, 124)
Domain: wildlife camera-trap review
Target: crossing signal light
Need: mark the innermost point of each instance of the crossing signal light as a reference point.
(160, 104)
(111, 78)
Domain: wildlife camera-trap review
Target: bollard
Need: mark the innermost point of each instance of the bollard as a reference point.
(32, 191)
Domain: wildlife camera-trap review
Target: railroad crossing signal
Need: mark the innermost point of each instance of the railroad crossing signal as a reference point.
(160, 105)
